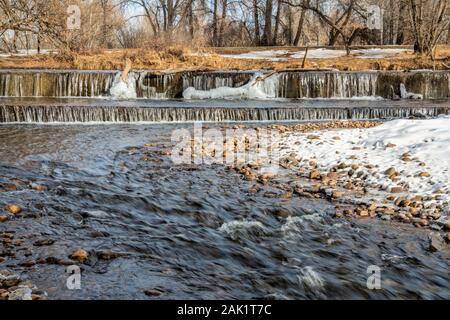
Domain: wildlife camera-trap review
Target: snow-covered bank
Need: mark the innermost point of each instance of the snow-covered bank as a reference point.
(24, 53)
(270, 55)
(405, 157)
(321, 53)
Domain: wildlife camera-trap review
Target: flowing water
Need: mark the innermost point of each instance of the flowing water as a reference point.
(45, 110)
(193, 231)
(285, 84)
(189, 231)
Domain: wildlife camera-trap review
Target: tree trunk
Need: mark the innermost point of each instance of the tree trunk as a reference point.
(301, 22)
(191, 20)
(277, 24)
(289, 34)
(223, 21)
(215, 26)
(267, 37)
(257, 39)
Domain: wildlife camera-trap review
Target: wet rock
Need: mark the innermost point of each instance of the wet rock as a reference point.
(80, 255)
(391, 145)
(50, 260)
(152, 293)
(337, 194)
(38, 187)
(436, 242)
(348, 212)
(8, 187)
(44, 242)
(338, 214)
(8, 279)
(109, 255)
(13, 209)
(28, 264)
(3, 218)
(21, 293)
(313, 137)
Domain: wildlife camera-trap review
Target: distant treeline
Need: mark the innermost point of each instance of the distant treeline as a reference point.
(98, 24)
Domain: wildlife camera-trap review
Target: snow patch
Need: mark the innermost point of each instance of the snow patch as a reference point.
(425, 142)
(124, 89)
(256, 88)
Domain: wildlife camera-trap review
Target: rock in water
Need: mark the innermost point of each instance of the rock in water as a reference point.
(21, 293)
(80, 255)
(436, 242)
(13, 209)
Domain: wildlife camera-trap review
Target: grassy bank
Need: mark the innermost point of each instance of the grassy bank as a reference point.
(181, 58)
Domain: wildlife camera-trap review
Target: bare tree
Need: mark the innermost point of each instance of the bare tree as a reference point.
(430, 20)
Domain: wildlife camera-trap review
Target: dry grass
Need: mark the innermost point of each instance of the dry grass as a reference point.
(181, 58)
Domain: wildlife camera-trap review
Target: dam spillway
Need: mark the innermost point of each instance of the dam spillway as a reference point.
(170, 85)
(107, 111)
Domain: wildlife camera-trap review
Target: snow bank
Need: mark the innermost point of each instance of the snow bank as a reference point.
(270, 55)
(320, 54)
(418, 149)
(256, 88)
(24, 52)
(378, 53)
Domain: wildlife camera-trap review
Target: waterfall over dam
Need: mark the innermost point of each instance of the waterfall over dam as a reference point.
(55, 111)
(285, 84)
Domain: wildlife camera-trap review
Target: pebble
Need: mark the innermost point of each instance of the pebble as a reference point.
(315, 175)
(337, 194)
(3, 218)
(152, 293)
(424, 175)
(397, 190)
(80, 255)
(13, 209)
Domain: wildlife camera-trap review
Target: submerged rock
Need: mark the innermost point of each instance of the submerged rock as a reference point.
(436, 242)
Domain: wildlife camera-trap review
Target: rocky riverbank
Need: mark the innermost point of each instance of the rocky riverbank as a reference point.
(13, 287)
(395, 172)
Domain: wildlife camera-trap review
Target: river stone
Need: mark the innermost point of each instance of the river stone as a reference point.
(13, 209)
(436, 242)
(397, 190)
(21, 293)
(80, 255)
(315, 175)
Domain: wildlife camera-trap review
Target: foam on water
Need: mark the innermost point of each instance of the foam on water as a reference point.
(243, 229)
